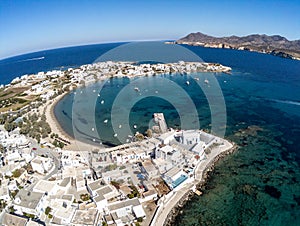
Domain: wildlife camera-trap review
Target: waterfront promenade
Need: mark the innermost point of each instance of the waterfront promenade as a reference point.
(167, 204)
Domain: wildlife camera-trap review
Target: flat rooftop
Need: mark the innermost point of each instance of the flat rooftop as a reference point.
(85, 217)
(29, 199)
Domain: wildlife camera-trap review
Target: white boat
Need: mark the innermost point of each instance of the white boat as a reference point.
(137, 89)
(98, 95)
(134, 126)
(120, 126)
(93, 129)
(187, 82)
(197, 79)
(105, 121)
(115, 135)
(102, 102)
(206, 81)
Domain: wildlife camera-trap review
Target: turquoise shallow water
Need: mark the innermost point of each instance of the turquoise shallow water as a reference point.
(257, 185)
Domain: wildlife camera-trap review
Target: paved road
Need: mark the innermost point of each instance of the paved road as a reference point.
(45, 151)
(166, 206)
(39, 151)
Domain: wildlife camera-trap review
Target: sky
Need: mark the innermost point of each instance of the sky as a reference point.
(32, 25)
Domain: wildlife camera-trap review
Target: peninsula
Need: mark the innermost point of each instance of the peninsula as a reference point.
(47, 177)
(275, 45)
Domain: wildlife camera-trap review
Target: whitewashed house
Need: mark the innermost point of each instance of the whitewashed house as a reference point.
(29, 202)
(41, 165)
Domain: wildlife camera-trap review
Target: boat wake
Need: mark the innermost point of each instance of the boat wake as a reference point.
(31, 59)
(286, 102)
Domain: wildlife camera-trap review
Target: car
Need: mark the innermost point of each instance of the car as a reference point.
(34, 149)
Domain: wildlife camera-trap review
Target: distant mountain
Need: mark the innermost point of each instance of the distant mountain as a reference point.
(275, 44)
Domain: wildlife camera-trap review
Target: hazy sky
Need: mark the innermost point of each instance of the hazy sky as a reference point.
(28, 26)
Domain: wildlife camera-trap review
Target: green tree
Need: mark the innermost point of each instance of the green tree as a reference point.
(2, 149)
(10, 126)
(55, 143)
(20, 124)
(149, 133)
(48, 210)
(139, 136)
(140, 220)
(61, 144)
(43, 117)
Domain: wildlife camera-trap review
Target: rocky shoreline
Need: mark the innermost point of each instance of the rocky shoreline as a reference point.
(275, 45)
(175, 211)
(274, 52)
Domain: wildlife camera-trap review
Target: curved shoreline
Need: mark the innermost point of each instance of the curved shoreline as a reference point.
(75, 145)
(175, 211)
(167, 211)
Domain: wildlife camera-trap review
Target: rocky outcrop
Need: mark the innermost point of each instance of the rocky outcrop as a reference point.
(275, 45)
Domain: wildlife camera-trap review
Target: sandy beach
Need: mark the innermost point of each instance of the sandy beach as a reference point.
(74, 145)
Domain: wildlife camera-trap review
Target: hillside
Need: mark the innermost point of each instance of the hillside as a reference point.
(275, 44)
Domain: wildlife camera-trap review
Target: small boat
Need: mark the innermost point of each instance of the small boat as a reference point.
(156, 91)
(197, 79)
(105, 121)
(93, 129)
(225, 81)
(187, 82)
(206, 81)
(120, 126)
(94, 91)
(102, 102)
(98, 95)
(134, 126)
(115, 135)
(137, 89)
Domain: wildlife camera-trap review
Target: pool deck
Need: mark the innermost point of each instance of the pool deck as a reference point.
(167, 203)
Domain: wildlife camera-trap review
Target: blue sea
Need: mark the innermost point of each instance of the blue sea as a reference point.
(257, 185)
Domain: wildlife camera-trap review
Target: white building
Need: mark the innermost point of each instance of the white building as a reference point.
(199, 149)
(190, 137)
(149, 169)
(85, 217)
(48, 187)
(41, 164)
(101, 193)
(130, 155)
(10, 219)
(62, 209)
(166, 138)
(169, 154)
(4, 193)
(29, 202)
(126, 211)
(174, 177)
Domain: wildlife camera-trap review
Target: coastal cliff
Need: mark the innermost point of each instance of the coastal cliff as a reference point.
(275, 45)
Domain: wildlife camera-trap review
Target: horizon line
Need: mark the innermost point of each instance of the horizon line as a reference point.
(83, 44)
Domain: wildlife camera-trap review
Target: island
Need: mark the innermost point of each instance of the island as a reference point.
(46, 179)
(275, 45)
